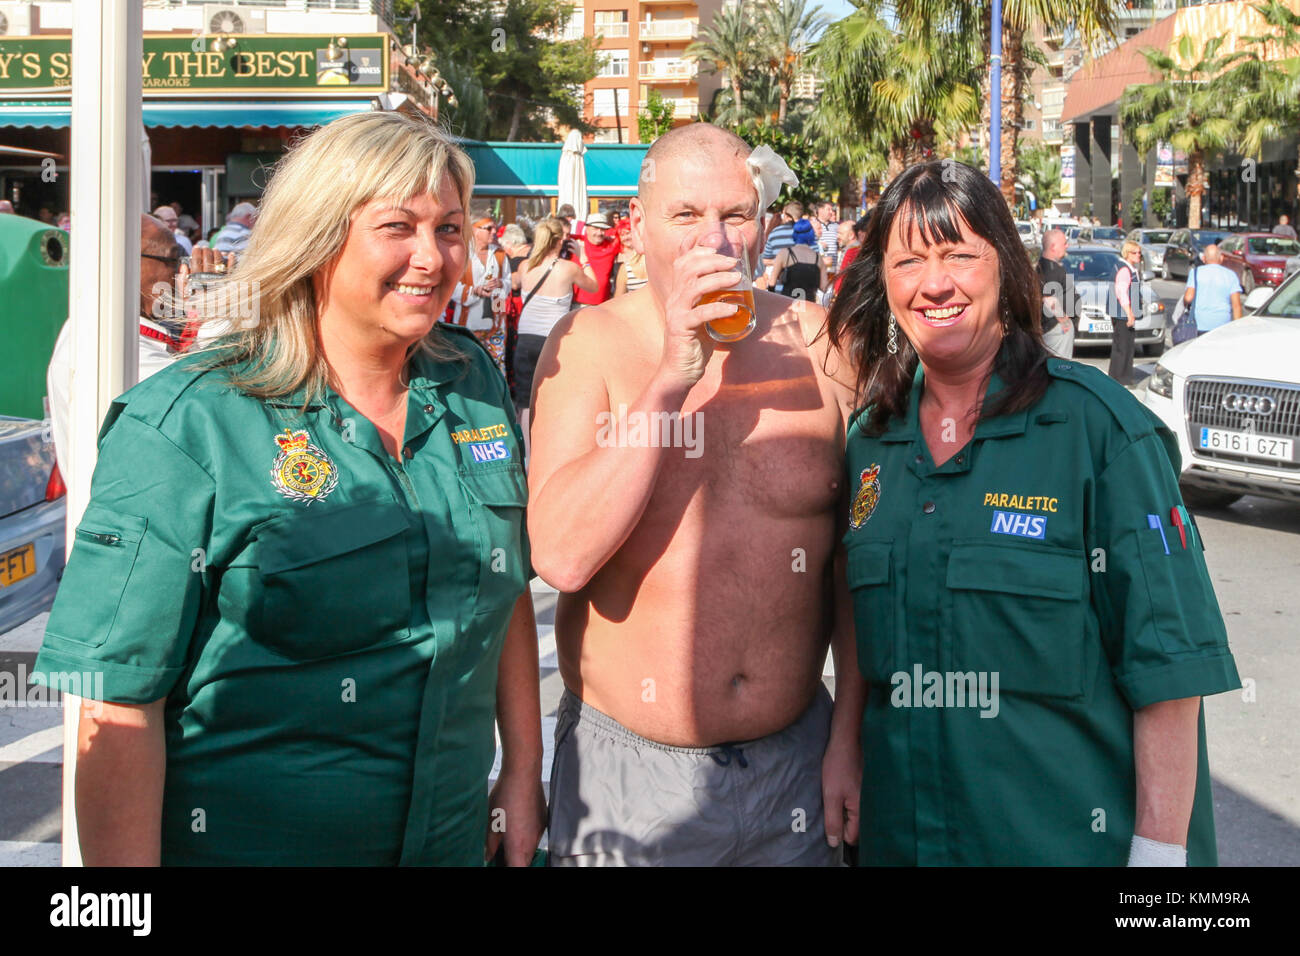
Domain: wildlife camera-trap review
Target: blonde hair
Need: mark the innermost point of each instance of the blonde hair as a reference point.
(1129, 246)
(305, 218)
(546, 236)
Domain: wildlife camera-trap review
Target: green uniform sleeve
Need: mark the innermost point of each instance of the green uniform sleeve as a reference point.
(508, 405)
(1160, 621)
(131, 592)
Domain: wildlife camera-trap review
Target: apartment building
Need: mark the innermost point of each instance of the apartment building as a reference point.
(1065, 56)
(642, 43)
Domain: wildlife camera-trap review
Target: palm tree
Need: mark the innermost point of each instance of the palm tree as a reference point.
(1190, 107)
(1092, 20)
(1042, 173)
(891, 96)
(731, 45)
(761, 103)
(1269, 76)
(786, 30)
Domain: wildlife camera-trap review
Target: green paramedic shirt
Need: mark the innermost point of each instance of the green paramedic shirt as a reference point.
(1029, 554)
(324, 622)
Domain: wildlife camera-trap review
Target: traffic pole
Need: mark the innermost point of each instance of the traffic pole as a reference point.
(995, 91)
(104, 299)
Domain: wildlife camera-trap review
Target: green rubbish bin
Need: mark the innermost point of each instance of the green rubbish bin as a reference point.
(33, 307)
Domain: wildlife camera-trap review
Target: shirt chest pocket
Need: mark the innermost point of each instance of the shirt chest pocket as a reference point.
(1021, 613)
(497, 497)
(333, 581)
(871, 580)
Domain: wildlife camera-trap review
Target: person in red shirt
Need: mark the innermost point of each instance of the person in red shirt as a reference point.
(602, 252)
(850, 252)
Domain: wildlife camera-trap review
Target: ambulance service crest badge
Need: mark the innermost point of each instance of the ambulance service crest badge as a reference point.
(864, 502)
(302, 472)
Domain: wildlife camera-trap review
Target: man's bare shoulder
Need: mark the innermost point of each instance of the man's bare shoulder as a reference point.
(598, 328)
(807, 321)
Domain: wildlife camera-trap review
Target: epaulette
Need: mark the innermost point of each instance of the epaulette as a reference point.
(151, 400)
(1136, 420)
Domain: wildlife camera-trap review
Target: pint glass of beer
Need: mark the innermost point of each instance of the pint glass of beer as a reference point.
(735, 327)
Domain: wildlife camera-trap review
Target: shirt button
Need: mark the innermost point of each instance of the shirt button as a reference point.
(919, 459)
(960, 459)
(407, 453)
(428, 409)
(928, 507)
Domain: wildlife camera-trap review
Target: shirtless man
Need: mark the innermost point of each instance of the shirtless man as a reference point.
(696, 603)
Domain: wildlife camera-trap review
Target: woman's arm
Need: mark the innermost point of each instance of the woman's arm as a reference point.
(584, 277)
(769, 277)
(121, 764)
(620, 280)
(1164, 749)
(518, 803)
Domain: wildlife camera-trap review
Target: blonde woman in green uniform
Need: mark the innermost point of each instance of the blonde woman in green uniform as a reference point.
(1033, 611)
(303, 571)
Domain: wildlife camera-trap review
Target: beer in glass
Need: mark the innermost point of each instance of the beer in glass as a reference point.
(734, 327)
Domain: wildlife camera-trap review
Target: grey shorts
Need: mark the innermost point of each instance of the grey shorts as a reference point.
(618, 799)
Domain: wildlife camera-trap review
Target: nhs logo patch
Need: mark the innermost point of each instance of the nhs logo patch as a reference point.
(1024, 526)
(489, 451)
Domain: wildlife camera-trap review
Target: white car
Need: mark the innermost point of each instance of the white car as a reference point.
(1232, 396)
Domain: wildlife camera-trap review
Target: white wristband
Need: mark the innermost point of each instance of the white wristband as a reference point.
(1144, 852)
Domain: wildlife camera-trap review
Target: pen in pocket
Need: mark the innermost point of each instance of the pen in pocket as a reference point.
(1153, 521)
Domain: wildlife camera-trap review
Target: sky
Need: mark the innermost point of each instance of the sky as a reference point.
(836, 9)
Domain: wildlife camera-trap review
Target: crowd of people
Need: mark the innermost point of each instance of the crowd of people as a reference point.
(231, 237)
(523, 276)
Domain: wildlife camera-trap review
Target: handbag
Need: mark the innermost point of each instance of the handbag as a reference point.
(1185, 328)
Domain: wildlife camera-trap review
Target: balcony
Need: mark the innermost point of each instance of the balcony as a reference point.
(614, 31)
(667, 70)
(682, 108)
(669, 31)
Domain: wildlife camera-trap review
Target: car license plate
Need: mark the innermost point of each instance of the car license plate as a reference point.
(1100, 325)
(17, 564)
(1244, 443)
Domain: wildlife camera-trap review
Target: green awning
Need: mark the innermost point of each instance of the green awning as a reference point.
(533, 169)
(227, 113)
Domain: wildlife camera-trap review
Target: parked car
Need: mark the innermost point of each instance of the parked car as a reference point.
(32, 507)
(1091, 269)
(1153, 242)
(1232, 397)
(1258, 258)
(1101, 235)
(1183, 251)
(1028, 234)
(1063, 224)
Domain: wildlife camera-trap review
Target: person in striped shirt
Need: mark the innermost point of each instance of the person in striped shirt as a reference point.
(828, 240)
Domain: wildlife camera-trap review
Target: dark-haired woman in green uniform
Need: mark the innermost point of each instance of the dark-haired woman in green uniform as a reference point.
(1034, 615)
(303, 571)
